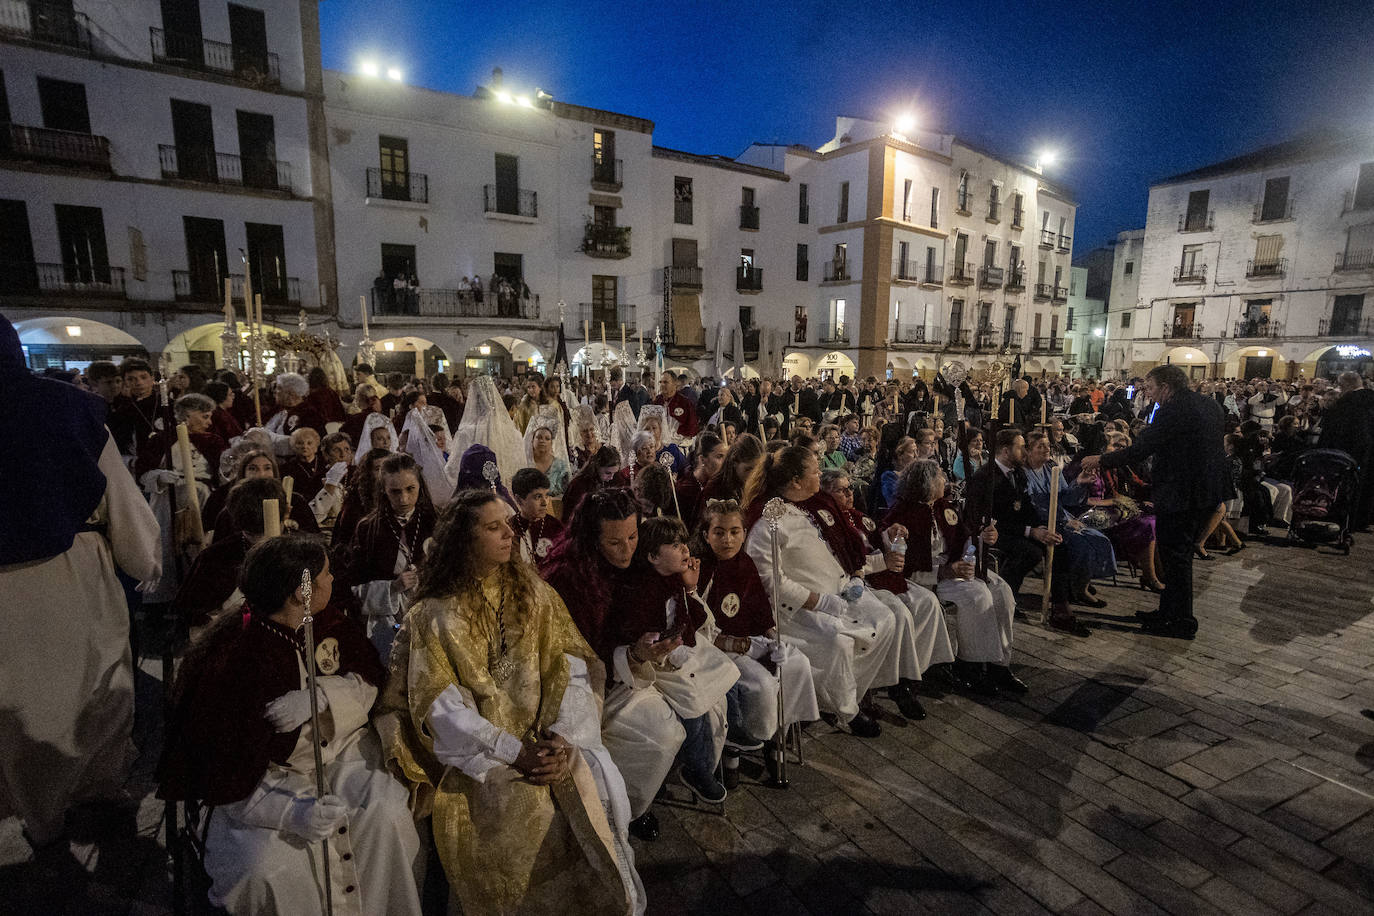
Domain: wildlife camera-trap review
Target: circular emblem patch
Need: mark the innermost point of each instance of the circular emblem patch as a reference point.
(541, 549)
(730, 605)
(868, 523)
(951, 518)
(677, 411)
(826, 516)
(327, 655)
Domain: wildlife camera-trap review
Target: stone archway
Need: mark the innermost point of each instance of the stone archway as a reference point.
(797, 363)
(410, 356)
(74, 343)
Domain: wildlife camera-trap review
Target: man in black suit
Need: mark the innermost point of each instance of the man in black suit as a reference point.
(998, 490)
(1189, 480)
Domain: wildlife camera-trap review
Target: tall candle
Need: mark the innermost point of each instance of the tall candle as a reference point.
(622, 337)
(641, 340)
(586, 332)
(288, 484)
(229, 321)
(362, 308)
(271, 518)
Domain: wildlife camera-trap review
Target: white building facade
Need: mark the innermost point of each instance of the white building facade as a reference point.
(146, 158)
(1258, 267)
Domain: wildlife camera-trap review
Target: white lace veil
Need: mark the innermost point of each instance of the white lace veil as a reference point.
(364, 445)
(550, 417)
(623, 429)
(667, 432)
(486, 422)
(422, 445)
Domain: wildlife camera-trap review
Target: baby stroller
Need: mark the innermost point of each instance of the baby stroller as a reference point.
(1325, 481)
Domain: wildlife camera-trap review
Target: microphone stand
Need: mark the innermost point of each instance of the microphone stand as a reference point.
(307, 593)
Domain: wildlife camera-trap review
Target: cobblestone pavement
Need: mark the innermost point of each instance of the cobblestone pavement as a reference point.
(1141, 775)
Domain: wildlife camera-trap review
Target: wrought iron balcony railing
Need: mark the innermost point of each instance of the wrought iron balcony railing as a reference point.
(1355, 260)
(1044, 291)
(1048, 238)
(454, 303)
(206, 165)
(606, 241)
(1018, 218)
(510, 201)
(73, 280)
(748, 279)
(607, 174)
(990, 277)
(961, 273)
(1190, 273)
(611, 314)
(192, 52)
(917, 334)
(1258, 327)
(388, 184)
(1191, 331)
(1061, 294)
(51, 23)
(688, 278)
(1047, 345)
(62, 147)
(1353, 326)
(1271, 268)
(906, 270)
(994, 211)
(836, 271)
(1016, 280)
(835, 335)
(959, 337)
(1065, 243)
(1196, 222)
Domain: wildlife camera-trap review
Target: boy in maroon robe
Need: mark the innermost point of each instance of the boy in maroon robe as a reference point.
(535, 528)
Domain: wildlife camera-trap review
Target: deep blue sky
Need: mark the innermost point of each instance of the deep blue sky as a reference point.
(1127, 92)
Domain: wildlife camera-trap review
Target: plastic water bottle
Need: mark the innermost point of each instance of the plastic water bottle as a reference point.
(899, 546)
(971, 555)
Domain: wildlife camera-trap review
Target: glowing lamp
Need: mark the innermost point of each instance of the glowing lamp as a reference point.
(370, 68)
(1264, 353)
(73, 330)
(394, 73)
(525, 101)
(906, 124)
(484, 350)
(388, 346)
(503, 96)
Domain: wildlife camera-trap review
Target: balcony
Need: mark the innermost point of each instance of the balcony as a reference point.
(933, 275)
(606, 241)
(1050, 346)
(1258, 328)
(1347, 327)
(748, 279)
(1048, 239)
(191, 52)
(210, 167)
(1016, 281)
(917, 334)
(50, 23)
(1196, 222)
(836, 272)
(906, 271)
(510, 201)
(958, 338)
(1355, 260)
(607, 174)
(987, 339)
(208, 288)
(1270, 268)
(961, 274)
(57, 147)
(1179, 331)
(994, 211)
(1043, 292)
(452, 303)
(1061, 294)
(1065, 243)
(749, 218)
(837, 335)
(410, 187)
(684, 278)
(990, 277)
(70, 280)
(961, 203)
(1190, 273)
(682, 212)
(1278, 213)
(1018, 218)
(611, 314)
(1011, 340)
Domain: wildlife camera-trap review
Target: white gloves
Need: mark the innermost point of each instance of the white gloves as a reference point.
(314, 819)
(336, 472)
(831, 605)
(291, 710)
(679, 656)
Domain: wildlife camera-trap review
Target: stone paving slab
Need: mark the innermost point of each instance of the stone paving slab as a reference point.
(1231, 774)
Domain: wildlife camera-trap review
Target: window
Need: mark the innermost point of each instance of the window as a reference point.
(604, 298)
(903, 257)
(267, 261)
(207, 259)
(4, 101)
(1125, 319)
(603, 217)
(20, 275)
(507, 183)
(1014, 262)
(799, 322)
(1275, 204)
(257, 149)
(803, 263)
(603, 148)
(746, 257)
(1045, 220)
(989, 253)
(64, 105)
(1018, 209)
(398, 263)
(1130, 268)
(1267, 248)
(961, 199)
(956, 315)
(682, 200)
(906, 201)
(930, 265)
(935, 208)
(1345, 315)
(837, 325)
(995, 201)
(748, 213)
(803, 204)
(81, 236)
(843, 216)
(1191, 262)
(394, 153)
(1196, 218)
(1058, 279)
(1040, 270)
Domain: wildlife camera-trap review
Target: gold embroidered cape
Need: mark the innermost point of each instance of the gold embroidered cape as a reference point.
(507, 846)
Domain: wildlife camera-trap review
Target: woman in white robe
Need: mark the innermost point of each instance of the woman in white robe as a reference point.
(486, 422)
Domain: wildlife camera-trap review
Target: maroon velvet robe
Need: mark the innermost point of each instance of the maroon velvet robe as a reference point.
(212, 579)
(547, 528)
(640, 605)
(737, 576)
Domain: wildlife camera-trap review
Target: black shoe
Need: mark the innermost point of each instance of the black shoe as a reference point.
(1201, 554)
(1089, 601)
(906, 701)
(949, 676)
(1001, 676)
(730, 769)
(741, 740)
(864, 726)
(706, 790)
(1069, 624)
(645, 827)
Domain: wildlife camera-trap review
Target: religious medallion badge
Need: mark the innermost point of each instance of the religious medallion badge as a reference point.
(730, 605)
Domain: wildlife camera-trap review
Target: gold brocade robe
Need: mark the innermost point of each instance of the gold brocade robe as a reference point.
(507, 846)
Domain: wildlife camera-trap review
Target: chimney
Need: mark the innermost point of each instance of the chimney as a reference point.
(496, 77)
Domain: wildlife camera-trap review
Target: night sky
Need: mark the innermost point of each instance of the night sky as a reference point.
(1128, 93)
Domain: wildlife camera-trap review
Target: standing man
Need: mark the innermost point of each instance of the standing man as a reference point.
(678, 407)
(1190, 480)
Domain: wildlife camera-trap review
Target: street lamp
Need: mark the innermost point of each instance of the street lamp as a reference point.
(1045, 158)
(906, 123)
(370, 68)
(394, 74)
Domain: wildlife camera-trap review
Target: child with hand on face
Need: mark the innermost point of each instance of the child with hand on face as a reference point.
(534, 527)
(748, 634)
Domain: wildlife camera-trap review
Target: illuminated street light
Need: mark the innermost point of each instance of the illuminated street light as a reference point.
(370, 68)
(906, 123)
(389, 345)
(484, 350)
(394, 73)
(525, 101)
(1045, 158)
(73, 330)
(503, 96)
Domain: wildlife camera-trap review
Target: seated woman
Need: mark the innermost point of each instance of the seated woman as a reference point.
(254, 463)
(657, 604)
(539, 441)
(970, 455)
(597, 472)
(1090, 551)
(1131, 528)
(653, 418)
(584, 437)
(359, 496)
(730, 585)
(240, 739)
(902, 455)
(653, 491)
(708, 456)
(937, 557)
(492, 716)
(741, 458)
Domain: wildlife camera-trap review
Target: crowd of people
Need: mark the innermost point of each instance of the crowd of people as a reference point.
(539, 604)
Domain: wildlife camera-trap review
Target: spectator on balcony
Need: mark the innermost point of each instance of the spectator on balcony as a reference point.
(382, 298)
(476, 289)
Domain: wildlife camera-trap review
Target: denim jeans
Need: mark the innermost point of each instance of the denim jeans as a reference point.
(697, 754)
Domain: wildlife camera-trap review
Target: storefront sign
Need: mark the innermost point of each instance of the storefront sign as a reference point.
(1351, 352)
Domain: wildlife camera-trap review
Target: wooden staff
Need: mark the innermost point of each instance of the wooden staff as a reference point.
(271, 518)
(307, 595)
(773, 512)
(288, 484)
(189, 525)
(1049, 548)
(257, 371)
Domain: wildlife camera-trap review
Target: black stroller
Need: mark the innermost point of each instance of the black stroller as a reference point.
(1325, 484)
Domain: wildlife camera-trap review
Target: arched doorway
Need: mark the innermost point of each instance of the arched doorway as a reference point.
(899, 367)
(1332, 361)
(835, 364)
(201, 346)
(1255, 362)
(410, 356)
(796, 363)
(1190, 359)
(73, 343)
(593, 358)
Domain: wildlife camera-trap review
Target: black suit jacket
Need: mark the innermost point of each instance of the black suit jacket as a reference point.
(991, 494)
(1185, 440)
